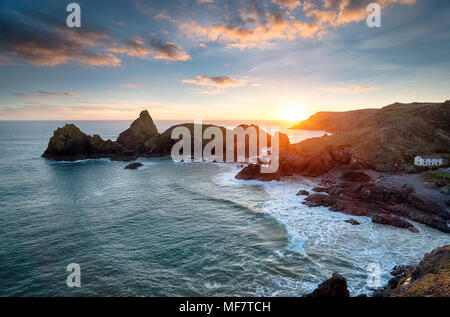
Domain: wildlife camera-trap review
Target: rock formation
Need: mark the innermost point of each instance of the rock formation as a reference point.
(384, 139)
(430, 278)
(382, 205)
(133, 166)
(70, 144)
(140, 131)
(336, 286)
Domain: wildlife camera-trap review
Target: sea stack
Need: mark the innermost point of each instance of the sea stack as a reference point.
(140, 131)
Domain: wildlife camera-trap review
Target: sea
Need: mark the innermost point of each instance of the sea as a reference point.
(176, 229)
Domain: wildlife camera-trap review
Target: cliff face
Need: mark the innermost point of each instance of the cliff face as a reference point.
(384, 139)
(430, 278)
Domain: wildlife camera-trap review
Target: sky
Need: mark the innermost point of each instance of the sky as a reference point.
(213, 59)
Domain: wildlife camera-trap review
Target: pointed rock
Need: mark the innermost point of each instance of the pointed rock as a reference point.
(140, 131)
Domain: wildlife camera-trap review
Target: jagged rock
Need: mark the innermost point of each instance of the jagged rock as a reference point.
(336, 286)
(382, 205)
(69, 143)
(355, 176)
(253, 172)
(316, 200)
(430, 278)
(352, 222)
(140, 131)
(133, 166)
(303, 193)
(319, 189)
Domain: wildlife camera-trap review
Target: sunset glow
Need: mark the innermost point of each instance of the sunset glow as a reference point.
(210, 60)
(293, 113)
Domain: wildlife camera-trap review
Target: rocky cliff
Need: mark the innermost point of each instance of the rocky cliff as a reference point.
(429, 278)
(385, 139)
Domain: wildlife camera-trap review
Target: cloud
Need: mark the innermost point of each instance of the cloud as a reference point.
(290, 4)
(350, 89)
(41, 41)
(46, 94)
(131, 86)
(256, 23)
(152, 48)
(218, 82)
(215, 85)
(205, 1)
(168, 51)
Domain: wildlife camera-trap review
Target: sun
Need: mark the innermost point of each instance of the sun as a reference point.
(292, 113)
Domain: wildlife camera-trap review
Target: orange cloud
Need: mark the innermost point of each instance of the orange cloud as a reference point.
(255, 25)
(137, 47)
(290, 4)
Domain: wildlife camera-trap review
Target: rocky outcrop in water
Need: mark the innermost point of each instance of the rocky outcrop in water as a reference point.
(69, 143)
(133, 166)
(336, 286)
(253, 172)
(382, 205)
(141, 131)
(430, 278)
(141, 139)
(311, 164)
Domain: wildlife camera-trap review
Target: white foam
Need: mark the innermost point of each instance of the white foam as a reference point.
(331, 244)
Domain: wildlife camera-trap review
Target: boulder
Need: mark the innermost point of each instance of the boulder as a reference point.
(140, 131)
(133, 166)
(319, 189)
(253, 172)
(303, 193)
(336, 286)
(352, 222)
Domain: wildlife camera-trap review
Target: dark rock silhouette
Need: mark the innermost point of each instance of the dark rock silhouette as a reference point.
(303, 193)
(133, 166)
(336, 286)
(352, 222)
(70, 144)
(253, 172)
(140, 131)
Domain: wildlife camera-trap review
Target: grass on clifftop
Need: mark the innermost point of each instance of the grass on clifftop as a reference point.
(440, 178)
